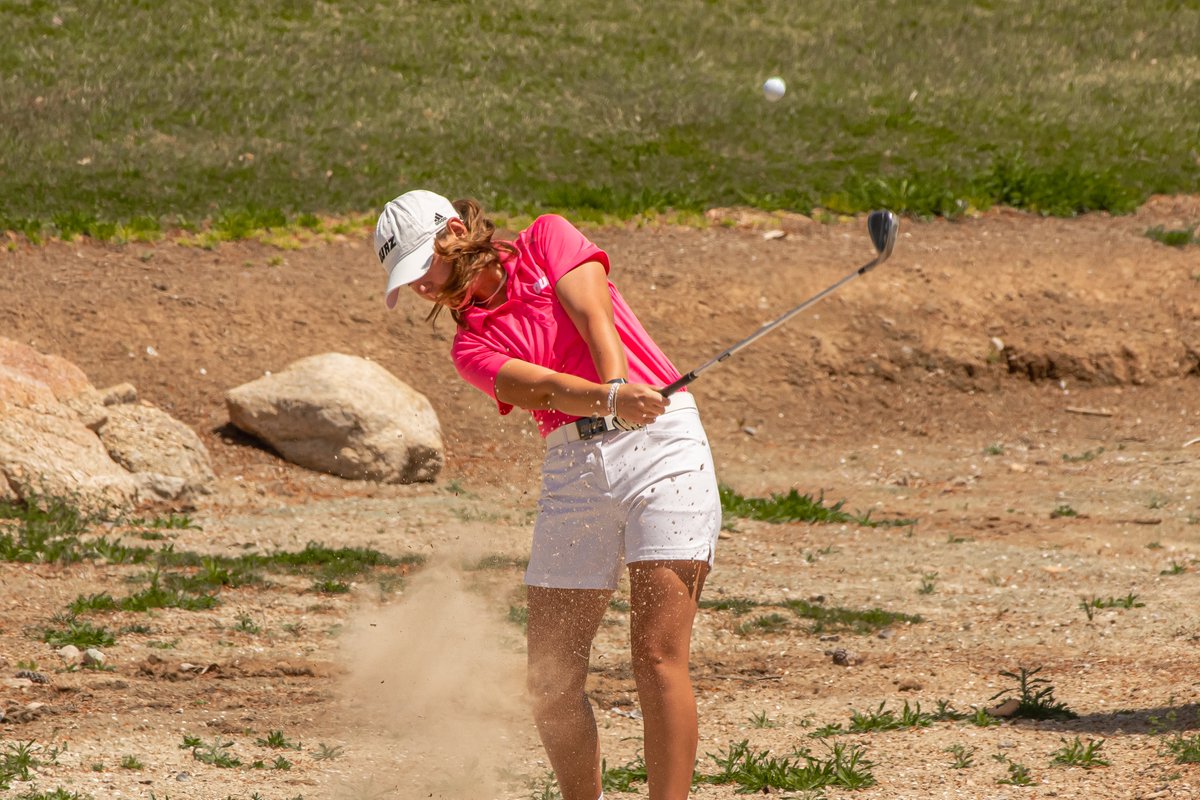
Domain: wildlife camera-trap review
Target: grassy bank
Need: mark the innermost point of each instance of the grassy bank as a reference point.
(147, 114)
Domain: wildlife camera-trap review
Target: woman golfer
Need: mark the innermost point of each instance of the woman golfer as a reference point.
(627, 479)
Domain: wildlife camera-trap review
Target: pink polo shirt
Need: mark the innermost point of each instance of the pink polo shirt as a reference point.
(533, 326)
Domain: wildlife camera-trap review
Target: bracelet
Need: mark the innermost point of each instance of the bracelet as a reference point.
(612, 397)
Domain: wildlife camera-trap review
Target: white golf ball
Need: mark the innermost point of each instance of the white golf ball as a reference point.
(774, 88)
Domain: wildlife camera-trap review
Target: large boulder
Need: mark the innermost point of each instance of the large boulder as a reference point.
(51, 419)
(343, 415)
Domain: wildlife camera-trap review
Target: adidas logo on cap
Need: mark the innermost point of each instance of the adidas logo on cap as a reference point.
(438, 219)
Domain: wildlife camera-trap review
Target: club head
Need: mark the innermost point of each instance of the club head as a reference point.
(883, 227)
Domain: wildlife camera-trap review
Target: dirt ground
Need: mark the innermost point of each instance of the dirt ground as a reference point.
(1024, 388)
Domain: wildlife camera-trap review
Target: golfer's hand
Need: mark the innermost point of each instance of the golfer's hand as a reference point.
(639, 404)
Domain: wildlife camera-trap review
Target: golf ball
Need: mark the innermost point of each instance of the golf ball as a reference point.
(774, 88)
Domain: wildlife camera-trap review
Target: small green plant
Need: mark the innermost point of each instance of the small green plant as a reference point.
(796, 507)
(964, 757)
(738, 605)
(330, 586)
(519, 615)
(1180, 237)
(1035, 695)
(1128, 601)
(927, 583)
(325, 752)
(994, 450)
(246, 624)
(1018, 774)
(1086, 455)
(760, 772)
(131, 762)
(761, 720)
(767, 623)
(1077, 754)
(214, 753)
(1063, 510)
(81, 634)
(1153, 546)
(621, 779)
(1185, 749)
(1175, 569)
(1156, 502)
(281, 763)
(277, 740)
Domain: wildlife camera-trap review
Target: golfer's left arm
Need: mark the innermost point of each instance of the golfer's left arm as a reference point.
(583, 294)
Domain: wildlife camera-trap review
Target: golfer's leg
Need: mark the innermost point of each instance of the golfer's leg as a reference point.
(663, 600)
(562, 624)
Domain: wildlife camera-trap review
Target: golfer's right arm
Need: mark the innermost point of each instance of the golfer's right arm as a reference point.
(530, 386)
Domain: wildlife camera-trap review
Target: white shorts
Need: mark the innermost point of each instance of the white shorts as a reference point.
(624, 497)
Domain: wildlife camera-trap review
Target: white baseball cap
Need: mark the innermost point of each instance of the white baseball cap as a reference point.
(405, 234)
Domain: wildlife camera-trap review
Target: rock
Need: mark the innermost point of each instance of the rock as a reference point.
(70, 654)
(30, 675)
(49, 418)
(145, 439)
(343, 415)
(119, 394)
(909, 684)
(94, 658)
(844, 658)
(1005, 709)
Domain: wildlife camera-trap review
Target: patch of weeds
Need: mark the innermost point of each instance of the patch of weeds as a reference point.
(1063, 510)
(330, 586)
(1086, 455)
(214, 753)
(845, 619)
(885, 719)
(57, 794)
(767, 623)
(1035, 695)
(546, 789)
(519, 615)
(143, 630)
(1153, 546)
(1175, 569)
(281, 763)
(1186, 750)
(159, 644)
(761, 720)
(617, 604)
(1156, 502)
(964, 757)
(952, 539)
(325, 752)
(994, 450)
(246, 624)
(1180, 237)
(499, 562)
(760, 772)
(277, 740)
(82, 634)
(621, 779)
(1077, 754)
(927, 583)
(131, 762)
(738, 605)
(157, 596)
(1018, 774)
(796, 507)
(93, 602)
(1128, 601)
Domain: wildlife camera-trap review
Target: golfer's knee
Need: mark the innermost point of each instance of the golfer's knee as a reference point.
(658, 663)
(552, 689)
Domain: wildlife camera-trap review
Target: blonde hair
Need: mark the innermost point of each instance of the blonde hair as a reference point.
(469, 255)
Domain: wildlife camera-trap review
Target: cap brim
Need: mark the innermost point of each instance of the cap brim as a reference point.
(408, 269)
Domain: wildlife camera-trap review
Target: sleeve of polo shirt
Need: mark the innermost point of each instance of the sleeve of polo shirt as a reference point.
(558, 247)
(479, 365)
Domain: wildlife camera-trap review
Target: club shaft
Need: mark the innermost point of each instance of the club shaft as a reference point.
(670, 389)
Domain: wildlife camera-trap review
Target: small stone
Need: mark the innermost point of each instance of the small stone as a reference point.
(1005, 709)
(93, 658)
(909, 684)
(36, 677)
(70, 653)
(843, 657)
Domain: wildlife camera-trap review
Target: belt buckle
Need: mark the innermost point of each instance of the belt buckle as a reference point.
(590, 426)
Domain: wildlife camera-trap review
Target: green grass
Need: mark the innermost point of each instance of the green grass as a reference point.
(796, 507)
(758, 772)
(824, 619)
(1077, 754)
(1173, 238)
(114, 130)
(1035, 695)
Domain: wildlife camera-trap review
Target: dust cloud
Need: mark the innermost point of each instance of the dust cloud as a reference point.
(436, 696)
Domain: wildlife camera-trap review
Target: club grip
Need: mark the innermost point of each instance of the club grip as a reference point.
(672, 388)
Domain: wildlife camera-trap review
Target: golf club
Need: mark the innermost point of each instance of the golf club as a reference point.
(882, 227)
